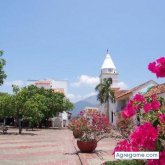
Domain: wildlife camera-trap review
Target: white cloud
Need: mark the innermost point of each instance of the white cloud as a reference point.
(86, 80)
(19, 83)
(121, 85)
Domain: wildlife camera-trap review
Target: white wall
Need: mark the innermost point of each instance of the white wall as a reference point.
(60, 84)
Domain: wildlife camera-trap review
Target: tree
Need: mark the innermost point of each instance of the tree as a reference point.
(105, 93)
(6, 109)
(34, 108)
(2, 64)
(38, 104)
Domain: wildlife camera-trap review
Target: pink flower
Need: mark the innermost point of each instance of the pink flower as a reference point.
(144, 137)
(129, 110)
(123, 145)
(162, 118)
(147, 107)
(154, 97)
(158, 67)
(155, 105)
(152, 67)
(160, 161)
(139, 98)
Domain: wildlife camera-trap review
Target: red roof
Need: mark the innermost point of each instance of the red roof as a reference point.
(133, 89)
(157, 89)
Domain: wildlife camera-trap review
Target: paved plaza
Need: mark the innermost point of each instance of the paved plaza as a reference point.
(49, 147)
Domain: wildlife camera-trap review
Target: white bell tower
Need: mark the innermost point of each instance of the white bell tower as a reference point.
(108, 70)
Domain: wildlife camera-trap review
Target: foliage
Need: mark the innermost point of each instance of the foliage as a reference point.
(95, 126)
(33, 104)
(33, 109)
(124, 162)
(43, 103)
(105, 93)
(6, 109)
(2, 64)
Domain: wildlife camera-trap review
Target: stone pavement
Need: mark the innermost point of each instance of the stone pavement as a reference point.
(102, 153)
(49, 147)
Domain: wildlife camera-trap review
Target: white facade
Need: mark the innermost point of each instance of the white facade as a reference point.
(122, 101)
(56, 85)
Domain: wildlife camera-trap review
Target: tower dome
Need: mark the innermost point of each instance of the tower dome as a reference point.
(108, 65)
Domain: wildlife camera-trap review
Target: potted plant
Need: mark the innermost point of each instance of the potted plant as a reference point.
(77, 126)
(97, 127)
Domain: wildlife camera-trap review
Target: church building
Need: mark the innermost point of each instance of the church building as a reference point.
(108, 70)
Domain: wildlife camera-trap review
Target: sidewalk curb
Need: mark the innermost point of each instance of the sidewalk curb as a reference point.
(77, 151)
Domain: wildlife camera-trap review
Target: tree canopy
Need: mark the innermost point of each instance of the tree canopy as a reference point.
(105, 93)
(2, 72)
(33, 104)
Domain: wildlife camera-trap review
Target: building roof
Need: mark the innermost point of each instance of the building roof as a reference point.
(157, 89)
(134, 89)
(108, 63)
(118, 92)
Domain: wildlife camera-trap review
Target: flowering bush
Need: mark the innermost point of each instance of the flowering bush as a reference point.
(124, 125)
(79, 124)
(150, 134)
(96, 127)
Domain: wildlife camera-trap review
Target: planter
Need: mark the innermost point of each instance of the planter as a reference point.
(77, 134)
(87, 147)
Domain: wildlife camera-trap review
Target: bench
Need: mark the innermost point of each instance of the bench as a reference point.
(4, 129)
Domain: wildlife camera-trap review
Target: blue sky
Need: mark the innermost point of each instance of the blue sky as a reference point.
(65, 39)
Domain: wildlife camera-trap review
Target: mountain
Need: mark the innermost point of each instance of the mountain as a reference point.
(88, 102)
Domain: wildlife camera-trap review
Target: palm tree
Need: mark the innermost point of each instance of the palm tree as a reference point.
(105, 93)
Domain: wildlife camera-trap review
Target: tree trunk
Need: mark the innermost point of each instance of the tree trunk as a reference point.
(20, 126)
(4, 121)
(108, 110)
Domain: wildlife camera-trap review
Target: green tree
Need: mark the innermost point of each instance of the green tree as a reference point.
(6, 109)
(33, 109)
(2, 64)
(38, 104)
(67, 105)
(105, 93)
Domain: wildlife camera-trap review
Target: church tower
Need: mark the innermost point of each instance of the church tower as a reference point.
(108, 70)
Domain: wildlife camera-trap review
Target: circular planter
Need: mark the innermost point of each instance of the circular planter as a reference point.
(87, 147)
(77, 134)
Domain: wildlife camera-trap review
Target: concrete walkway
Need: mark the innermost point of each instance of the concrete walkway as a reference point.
(49, 147)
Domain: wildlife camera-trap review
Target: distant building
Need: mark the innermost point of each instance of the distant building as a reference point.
(91, 109)
(56, 85)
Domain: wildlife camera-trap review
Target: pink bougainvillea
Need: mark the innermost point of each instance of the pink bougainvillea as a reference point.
(147, 107)
(140, 102)
(144, 137)
(158, 67)
(124, 145)
(160, 161)
(149, 135)
(162, 118)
